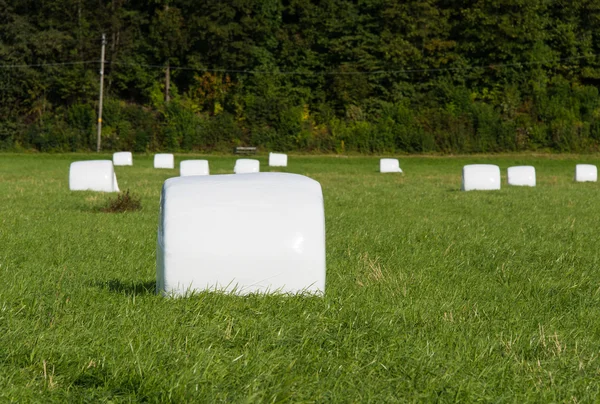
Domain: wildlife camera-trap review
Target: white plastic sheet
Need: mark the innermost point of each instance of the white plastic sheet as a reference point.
(389, 166)
(193, 167)
(482, 177)
(93, 175)
(123, 159)
(521, 175)
(261, 232)
(586, 173)
(246, 166)
(278, 160)
(164, 160)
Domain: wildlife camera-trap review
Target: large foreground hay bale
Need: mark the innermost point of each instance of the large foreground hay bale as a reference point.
(260, 232)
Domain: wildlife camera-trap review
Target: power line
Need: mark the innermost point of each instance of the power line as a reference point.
(49, 64)
(338, 73)
(313, 73)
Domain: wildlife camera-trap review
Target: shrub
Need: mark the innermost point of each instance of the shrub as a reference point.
(123, 202)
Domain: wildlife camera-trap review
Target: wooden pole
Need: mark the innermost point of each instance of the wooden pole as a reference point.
(99, 140)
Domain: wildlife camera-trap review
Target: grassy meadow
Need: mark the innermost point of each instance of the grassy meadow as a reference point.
(432, 294)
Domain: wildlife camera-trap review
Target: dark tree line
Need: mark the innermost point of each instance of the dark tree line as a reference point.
(331, 75)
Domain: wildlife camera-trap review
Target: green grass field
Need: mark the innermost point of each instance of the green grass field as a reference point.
(432, 294)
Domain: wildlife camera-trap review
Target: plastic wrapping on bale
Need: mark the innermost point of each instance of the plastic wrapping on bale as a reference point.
(193, 167)
(246, 166)
(521, 175)
(261, 232)
(164, 160)
(389, 166)
(123, 159)
(278, 160)
(93, 175)
(483, 177)
(586, 173)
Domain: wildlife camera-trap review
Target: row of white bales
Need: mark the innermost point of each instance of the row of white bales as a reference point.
(98, 175)
(252, 233)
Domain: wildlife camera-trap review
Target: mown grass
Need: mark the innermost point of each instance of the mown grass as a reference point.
(432, 294)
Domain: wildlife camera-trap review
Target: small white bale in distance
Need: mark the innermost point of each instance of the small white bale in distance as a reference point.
(522, 176)
(164, 160)
(246, 166)
(277, 160)
(389, 166)
(193, 167)
(122, 159)
(586, 173)
(263, 233)
(93, 175)
(483, 177)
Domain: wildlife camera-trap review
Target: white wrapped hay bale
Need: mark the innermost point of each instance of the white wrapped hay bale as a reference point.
(277, 160)
(246, 166)
(586, 173)
(522, 176)
(164, 160)
(123, 159)
(389, 166)
(261, 232)
(193, 167)
(93, 175)
(483, 177)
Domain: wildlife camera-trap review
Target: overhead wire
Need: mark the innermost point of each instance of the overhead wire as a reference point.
(84, 62)
(301, 72)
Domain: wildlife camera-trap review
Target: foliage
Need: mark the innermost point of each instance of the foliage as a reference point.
(124, 202)
(376, 75)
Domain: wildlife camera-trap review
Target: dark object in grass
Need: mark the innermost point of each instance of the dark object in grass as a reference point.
(124, 202)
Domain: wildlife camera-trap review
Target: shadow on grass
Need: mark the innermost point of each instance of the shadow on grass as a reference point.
(128, 288)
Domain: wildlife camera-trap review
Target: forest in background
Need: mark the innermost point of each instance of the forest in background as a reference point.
(370, 76)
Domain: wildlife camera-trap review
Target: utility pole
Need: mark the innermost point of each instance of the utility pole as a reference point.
(101, 93)
(168, 70)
